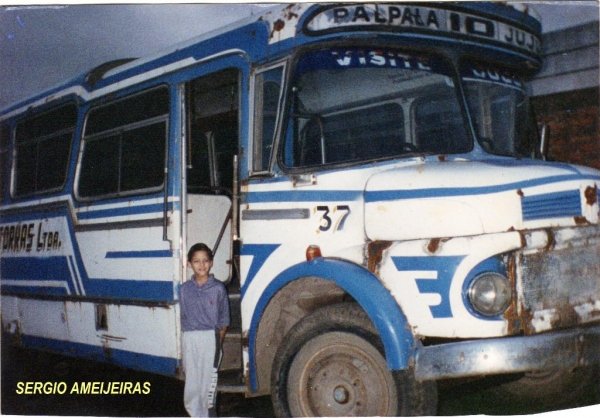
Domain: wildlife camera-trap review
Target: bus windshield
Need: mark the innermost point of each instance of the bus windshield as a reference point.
(357, 104)
(500, 110)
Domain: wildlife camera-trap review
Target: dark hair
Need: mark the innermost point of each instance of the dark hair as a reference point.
(199, 247)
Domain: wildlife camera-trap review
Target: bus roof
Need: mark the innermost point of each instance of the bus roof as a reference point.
(509, 30)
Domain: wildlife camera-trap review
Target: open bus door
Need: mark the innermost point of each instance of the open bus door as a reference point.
(212, 131)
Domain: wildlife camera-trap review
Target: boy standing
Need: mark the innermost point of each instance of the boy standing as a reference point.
(204, 321)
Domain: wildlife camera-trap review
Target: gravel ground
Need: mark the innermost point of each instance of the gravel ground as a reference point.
(166, 394)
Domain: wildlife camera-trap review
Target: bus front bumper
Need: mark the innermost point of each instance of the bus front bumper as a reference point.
(553, 350)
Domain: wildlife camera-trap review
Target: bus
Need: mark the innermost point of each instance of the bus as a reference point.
(371, 179)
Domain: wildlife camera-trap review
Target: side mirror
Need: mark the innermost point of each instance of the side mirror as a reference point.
(544, 141)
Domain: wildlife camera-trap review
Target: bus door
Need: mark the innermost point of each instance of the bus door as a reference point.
(212, 132)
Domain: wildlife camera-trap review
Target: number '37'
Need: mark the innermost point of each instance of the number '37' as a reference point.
(339, 212)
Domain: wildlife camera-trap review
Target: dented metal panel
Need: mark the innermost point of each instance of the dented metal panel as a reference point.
(560, 283)
(563, 349)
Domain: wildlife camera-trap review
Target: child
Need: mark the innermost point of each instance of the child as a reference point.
(204, 321)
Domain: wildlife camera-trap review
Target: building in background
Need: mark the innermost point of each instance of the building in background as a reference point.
(566, 94)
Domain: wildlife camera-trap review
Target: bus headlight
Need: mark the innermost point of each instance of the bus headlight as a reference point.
(490, 294)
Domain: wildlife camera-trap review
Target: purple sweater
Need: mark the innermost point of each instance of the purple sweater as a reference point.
(203, 307)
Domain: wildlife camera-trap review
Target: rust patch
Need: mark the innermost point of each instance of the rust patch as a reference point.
(12, 333)
(288, 13)
(442, 158)
(522, 237)
(512, 313)
(434, 245)
(581, 220)
(520, 193)
(107, 350)
(278, 26)
(591, 195)
(526, 319)
(566, 316)
(375, 251)
(551, 241)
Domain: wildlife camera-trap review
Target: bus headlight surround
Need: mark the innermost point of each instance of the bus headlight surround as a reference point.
(490, 294)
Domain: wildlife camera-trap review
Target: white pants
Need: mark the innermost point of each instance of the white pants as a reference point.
(200, 364)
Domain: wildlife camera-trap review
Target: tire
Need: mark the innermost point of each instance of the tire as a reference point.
(331, 364)
(551, 388)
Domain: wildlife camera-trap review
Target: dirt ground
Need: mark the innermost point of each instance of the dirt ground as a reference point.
(165, 394)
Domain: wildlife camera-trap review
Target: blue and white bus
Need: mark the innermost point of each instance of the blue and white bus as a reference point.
(371, 179)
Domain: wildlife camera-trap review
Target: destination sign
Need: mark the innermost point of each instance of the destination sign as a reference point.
(416, 17)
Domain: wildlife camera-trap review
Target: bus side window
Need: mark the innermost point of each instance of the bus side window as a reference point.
(199, 177)
(125, 146)
(213, 125)
(267, 87)
(4, 162)
(43, 145)
(438, 125)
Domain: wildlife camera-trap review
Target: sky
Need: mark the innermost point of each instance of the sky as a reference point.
(42, 46)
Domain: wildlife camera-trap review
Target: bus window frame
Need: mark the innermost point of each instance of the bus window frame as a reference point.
(13, 140)
(98, 136)
(254, 95)
(525, 79)
(6, 132)
(294, 58)
(214, 171)
(416, 103)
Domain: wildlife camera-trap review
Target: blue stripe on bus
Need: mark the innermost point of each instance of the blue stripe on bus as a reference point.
(551, 205)
(121, 211)
(303, 196)
(139, 361)
(527, 163)
(56, 269)
(32, 214)
(35, 290)
(399, 194)
(386, 195)
(151, 291)
(259, 253)
(106, 288)
(75, 276)
(444, 267)
(140, 254)
(40, 269)
(148, 290)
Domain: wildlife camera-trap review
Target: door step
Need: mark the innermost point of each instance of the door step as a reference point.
(224, 388)
(230, 381)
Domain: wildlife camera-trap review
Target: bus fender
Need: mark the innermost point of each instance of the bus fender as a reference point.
(365, 288)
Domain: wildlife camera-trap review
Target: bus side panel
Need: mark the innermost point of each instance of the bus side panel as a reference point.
(49, 258)
(106, 294)
(138, 337)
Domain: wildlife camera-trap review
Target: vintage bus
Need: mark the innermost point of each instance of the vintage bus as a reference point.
(373, 184)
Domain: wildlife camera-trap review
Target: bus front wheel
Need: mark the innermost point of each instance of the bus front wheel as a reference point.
(331, 364)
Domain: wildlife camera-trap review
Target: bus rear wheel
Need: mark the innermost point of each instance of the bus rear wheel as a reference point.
(331, 364)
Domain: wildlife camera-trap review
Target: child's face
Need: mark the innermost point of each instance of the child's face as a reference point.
(201, 264)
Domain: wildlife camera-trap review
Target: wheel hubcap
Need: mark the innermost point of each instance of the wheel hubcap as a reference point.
(341, 380)
(341, 395)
